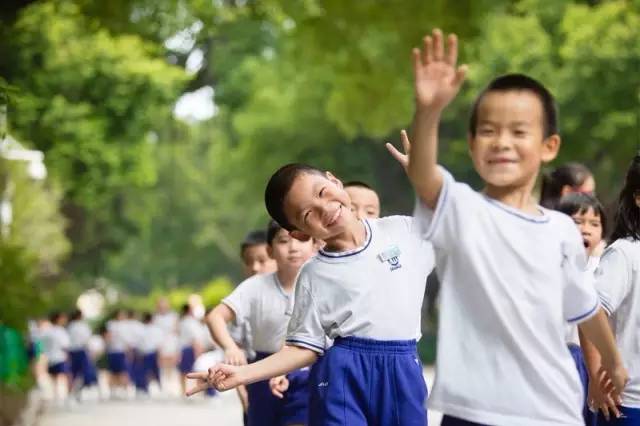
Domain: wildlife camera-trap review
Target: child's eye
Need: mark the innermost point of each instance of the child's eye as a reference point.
(520, 133)
(321, 192)
(305, 217)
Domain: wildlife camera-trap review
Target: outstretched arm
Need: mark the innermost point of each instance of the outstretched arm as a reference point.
(437, 81)
(224, 377)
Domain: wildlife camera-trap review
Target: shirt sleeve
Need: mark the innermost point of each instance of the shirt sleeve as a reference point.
(452, 213)
(613, 278)
(580, 300)
(239, 301)
(305, 329)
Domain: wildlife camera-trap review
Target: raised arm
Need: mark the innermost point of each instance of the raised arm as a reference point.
(217, 321)
(437, 81)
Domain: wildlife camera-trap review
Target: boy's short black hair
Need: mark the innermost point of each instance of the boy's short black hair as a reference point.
(75, 315)
(253, 238)
(279, 186)
(510, 82)
(579, 202)
(272, 230)
(147, 317)
(357, 184)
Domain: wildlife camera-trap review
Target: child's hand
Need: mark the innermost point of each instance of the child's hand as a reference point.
(401, 158)
(235, 356)
(437, 80)
(279, 386)
(202, 383)
(600, 397)
(619, 377)
(224, 376)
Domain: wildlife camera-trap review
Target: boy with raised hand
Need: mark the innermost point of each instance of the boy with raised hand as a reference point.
(512, 272)
(364, 290)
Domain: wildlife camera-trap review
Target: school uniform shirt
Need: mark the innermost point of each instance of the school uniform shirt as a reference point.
(167, 321)
(510, 282)
(262, 303)
(189, 331)
(571, 330)
(55, 343)
(79, 334)
(374, 291)
(118, 338)
(150, 339)
(241, 334)
(618, 285)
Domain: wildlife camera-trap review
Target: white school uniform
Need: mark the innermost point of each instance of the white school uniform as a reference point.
(55, 343)
(571, 330)
(118, 338)
(150, 339)
(374, 291)
(510, 282)
(79, 335)
(262, 304)
(189, 331)
(168, 322)
(618, 285)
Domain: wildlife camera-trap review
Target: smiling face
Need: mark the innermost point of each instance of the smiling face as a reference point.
(589, 223)
(364, 202)
(509, 144)
(318, 206)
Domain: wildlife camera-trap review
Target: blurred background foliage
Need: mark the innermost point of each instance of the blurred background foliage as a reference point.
(151, 203)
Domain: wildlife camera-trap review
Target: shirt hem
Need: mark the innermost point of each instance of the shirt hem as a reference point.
(494, 419)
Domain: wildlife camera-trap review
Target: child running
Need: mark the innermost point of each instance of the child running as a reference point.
(55, 342)
(264, 302)
(512, 272)
(81, 363)
(364, 290)
(618, 285)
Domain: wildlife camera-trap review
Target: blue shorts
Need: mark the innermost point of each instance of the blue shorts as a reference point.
(590, 418)
(59, 368)
(362, 381)
(630, 417)
(117, 362)
(82, 366)
(265, 409)
(186, 360)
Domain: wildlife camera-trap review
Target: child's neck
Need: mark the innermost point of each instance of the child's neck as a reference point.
(352, 238)
(517, 197)
(287, 277)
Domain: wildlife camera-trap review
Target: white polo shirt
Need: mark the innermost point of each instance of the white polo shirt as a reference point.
(261, 302)
(150, 339)
(374, 291)
(118, 338)
(79, 334)
(618, 285)
(55, 343)
(189, 331)
(510, 282)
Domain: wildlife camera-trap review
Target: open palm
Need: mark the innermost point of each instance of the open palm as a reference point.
(437, 79)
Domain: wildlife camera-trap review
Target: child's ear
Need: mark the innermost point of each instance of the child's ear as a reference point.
(333, 179)
(550, 148)
(299, 235)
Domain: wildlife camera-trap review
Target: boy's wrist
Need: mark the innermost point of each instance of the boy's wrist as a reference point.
(429, 111)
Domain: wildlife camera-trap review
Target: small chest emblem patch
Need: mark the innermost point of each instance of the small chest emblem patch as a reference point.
(392, 257)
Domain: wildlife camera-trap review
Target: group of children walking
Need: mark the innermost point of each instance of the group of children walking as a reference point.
(534, 328)
(135, 350)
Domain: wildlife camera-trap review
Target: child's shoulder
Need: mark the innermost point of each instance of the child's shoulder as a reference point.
(630, 248)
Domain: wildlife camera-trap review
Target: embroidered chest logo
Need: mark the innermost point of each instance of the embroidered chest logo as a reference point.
(392, 257)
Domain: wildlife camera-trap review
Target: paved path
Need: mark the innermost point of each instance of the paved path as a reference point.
(223, 410)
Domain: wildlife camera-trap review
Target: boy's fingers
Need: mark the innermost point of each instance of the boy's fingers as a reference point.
(605, 411)
(197, 388)
(277, 393)
(461, 73)
(417, 61)
(438, 46)
(406, 144)
(427, 50)
(452, 49)
(400, 157)
(199, 375)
